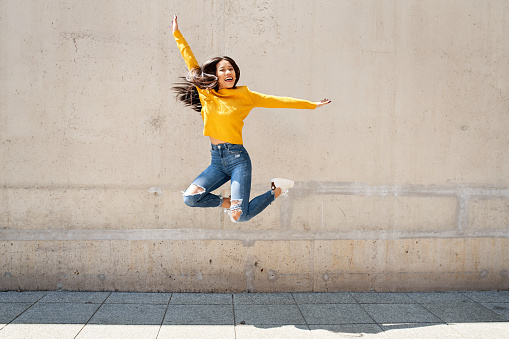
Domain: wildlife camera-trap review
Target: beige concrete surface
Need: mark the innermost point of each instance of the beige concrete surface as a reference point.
(402, 183)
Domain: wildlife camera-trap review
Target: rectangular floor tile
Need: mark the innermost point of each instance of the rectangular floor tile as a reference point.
(138, 298)
(95, 331)
(424, 331)
(21, 297)
(75, 297)
(201, 299)
(482, 330)
(347, 331)
(57, 313)
(272, 332)
(400, 313)
(197, 332)
(501, 309)
(268, 315)
(9, 311)
(40, 331)
(382, 298)
(199, 315)
(431, 297)
(324, 298)
(334, 314)
(129, 314)
(489, 296)
(263, 299)
(462, 312)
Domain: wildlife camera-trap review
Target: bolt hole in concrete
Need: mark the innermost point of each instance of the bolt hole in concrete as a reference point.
(155, 190)
(272, 276)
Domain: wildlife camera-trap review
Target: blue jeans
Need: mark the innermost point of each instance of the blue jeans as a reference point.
(229, 162)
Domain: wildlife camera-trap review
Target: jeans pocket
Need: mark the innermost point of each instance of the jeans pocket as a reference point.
(236, 155)
(235, 149)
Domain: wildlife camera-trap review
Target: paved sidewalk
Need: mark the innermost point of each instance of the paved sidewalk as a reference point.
(253, 315)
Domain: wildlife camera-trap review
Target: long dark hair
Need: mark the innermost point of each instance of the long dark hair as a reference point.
(203, 77)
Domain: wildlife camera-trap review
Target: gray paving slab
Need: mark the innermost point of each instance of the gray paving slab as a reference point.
(129, 314)
(462, 312)
(400, 313)
(272, 332)
(268, 315)
(138, 298)
(324, 298)
(201, 299)
(21, 297)
(334, 314)
(75, 297)
(263, 299)
(199, 315)
(347, 331)
(475, 330)
(57, 313)
(197, 332)
(96, 331)
(431, 297)
(265, 315)
(9, 311)
(501, 309)
(382, 298)
(489, 296)
(421, 331)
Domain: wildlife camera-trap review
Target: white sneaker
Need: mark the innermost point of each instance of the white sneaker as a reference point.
(284, 184)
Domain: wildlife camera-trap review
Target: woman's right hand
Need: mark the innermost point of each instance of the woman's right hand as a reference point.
(323, 102)
(175, 24)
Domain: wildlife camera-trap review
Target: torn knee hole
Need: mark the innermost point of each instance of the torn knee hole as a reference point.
(194, 190)
(235, 204)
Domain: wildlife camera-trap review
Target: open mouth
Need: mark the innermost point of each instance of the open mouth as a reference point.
(228, 79)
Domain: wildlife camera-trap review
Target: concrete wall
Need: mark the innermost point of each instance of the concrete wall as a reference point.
(402, 183)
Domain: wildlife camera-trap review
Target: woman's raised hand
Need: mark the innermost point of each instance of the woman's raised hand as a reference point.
(175, 24)
(323, 102)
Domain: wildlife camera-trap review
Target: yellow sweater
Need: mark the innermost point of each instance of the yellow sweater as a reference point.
(223, 112)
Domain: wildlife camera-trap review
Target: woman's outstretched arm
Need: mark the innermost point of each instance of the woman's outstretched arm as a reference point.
(184, 48)
(271, 101)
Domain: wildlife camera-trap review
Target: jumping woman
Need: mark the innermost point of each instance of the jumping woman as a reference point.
(212, 90)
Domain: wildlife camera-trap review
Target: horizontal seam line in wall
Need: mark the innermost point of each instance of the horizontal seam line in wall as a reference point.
(318, 188)
(245, 236)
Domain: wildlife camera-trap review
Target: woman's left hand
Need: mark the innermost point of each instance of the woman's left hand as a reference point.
(175, 25)
(323, 102)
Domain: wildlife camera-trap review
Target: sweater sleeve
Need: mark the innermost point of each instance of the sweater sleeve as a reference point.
(271, 101)
(186, 51)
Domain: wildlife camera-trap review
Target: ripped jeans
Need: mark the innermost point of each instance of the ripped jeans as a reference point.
(229, 162)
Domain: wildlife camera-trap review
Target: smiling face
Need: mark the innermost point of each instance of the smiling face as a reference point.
(225, 74)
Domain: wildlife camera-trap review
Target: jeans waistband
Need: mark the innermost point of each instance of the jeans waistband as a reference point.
(224, 146)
